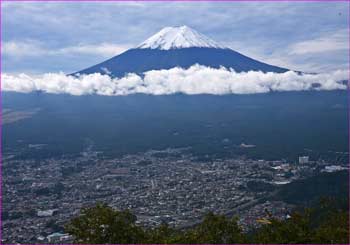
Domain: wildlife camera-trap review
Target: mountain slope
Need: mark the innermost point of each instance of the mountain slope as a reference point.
(142, 60)
(178, 47)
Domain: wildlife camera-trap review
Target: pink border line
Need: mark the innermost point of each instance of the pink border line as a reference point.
(0, 123)
(175, 1)
(348, 115)
(328, 1)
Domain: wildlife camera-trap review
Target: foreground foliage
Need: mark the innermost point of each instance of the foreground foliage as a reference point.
(326, 223)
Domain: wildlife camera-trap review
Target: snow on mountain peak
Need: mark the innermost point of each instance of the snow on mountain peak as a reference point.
(178, 37)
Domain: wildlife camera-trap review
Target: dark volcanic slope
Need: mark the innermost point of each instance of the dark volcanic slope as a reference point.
(141, 60)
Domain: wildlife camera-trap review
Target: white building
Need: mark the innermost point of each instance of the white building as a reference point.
(303, 159)
(333, 168)
(58, 237)
(46, 213)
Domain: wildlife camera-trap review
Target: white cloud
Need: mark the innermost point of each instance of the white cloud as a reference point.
(20, 49)
(194, 80)
(326, 43)
(30, 48)
(103, 49)
(276, 26)
(325, 53)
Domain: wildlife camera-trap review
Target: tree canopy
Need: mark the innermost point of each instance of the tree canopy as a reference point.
(327, 223)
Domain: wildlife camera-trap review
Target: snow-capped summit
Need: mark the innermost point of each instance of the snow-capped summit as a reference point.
(178, 37)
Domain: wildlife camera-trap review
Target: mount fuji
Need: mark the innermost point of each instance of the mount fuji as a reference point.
(178, 47)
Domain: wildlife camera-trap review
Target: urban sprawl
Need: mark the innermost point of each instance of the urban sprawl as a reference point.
(171, 186)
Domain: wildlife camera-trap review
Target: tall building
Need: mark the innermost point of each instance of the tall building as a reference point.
(303, 159)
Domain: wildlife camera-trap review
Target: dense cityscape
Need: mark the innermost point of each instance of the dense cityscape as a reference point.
(159, 186)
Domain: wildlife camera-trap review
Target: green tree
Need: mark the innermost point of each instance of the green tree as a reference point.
(326, 223)
(216, 229)
(296, 229)
(102, 224)
(164, 234)
(333, 230)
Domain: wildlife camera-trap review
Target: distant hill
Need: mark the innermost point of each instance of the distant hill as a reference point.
(311, 190)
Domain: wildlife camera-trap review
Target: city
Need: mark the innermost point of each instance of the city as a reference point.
(159, 186)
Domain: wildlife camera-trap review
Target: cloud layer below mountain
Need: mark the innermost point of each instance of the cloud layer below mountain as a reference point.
(194, 80)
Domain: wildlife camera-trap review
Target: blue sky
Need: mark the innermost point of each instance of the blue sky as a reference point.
(52, 37)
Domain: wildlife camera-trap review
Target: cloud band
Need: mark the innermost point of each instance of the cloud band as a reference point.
(194, 80)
